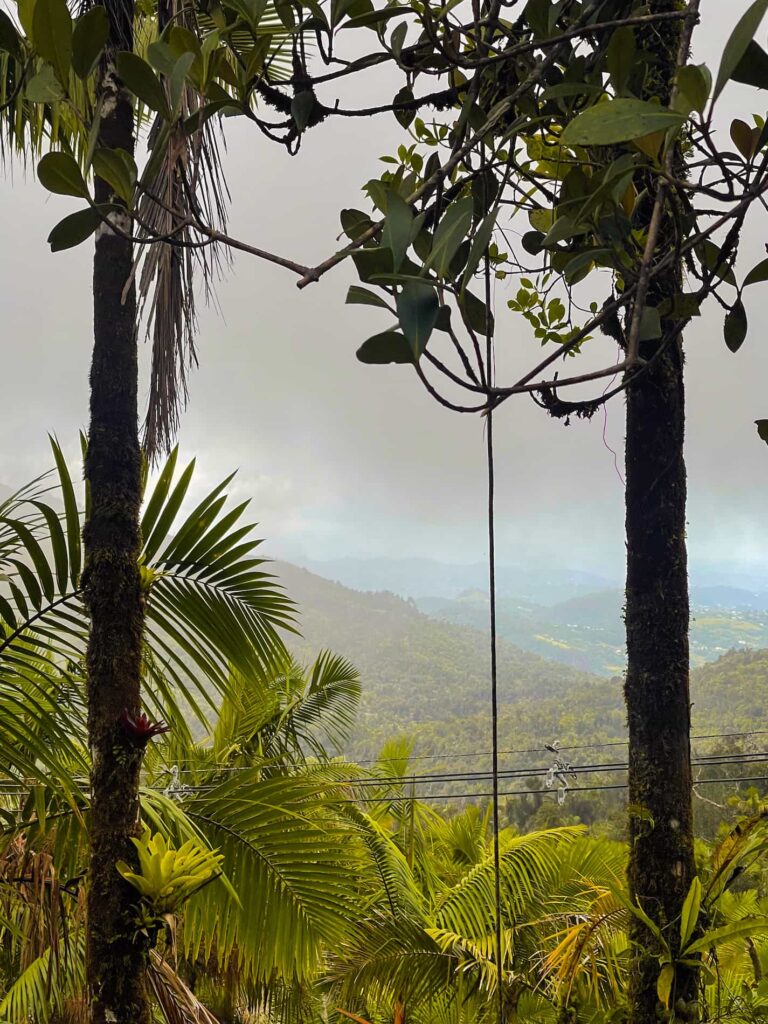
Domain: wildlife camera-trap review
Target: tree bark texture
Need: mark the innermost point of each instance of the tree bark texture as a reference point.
(661, 863)
(116, 959)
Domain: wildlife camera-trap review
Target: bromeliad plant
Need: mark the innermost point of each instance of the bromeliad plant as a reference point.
(167, 877)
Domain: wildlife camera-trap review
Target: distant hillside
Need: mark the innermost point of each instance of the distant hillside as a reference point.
(419, 577)
(415, 669)
(587, 631)
(430, 678)
(728, 696)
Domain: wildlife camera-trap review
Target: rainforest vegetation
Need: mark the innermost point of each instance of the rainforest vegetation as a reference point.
(204, 818)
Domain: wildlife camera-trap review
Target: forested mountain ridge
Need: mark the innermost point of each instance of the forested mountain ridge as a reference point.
(429, 678)
(587, 631)
(415, 668)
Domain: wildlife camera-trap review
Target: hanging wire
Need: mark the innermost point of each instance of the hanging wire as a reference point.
(492, 622)
(452, 755)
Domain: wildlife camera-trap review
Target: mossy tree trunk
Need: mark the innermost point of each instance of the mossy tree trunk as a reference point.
(116, 962)
(661, 863)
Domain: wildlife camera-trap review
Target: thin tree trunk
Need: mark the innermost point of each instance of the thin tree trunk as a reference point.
(116, 960)
(661, 863)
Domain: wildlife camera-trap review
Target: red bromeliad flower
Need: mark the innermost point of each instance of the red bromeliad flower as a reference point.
(139, 726)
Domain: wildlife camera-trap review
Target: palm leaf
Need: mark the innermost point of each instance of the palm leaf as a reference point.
(528, 864)
(293, 862)
(210, 606)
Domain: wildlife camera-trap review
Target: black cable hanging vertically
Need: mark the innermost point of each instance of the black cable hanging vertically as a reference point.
(489, 375)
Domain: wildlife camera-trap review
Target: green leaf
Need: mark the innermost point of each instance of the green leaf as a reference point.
(52, 36)
(372, 263)
(75, 228)
(664, 984)
(118, 169)
(744, 138)
(44, 87)
(563, 229)
(757, 274)
(372, 19)
(354, 223)
(680, 307)
(735, 326)
(340, 9)
(357, 296)
(198, 119)
(59, 173)
(397, 39)
(690, 913)
(475, 312)
(709, 255)
(405, 117)
(387, 347)
(532, 242)
(249, 10)
(9, 37)
(142, 81)
(88, 40)
(762, 429)
(417, 309)
(161, 57)
(443, 322)
(620, 57)
(695, 84)
(580, 266)
(738, 43)
(450, 233)
(542, 220)
(620, 120)
(302, 107)
(752, 69)
(396, 234)
(26, 10)
(74, 526)
(178, 80)
(747, 928)
(537, 15)
(650, 324)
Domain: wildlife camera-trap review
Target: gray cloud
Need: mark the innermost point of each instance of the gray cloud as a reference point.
(342, 458)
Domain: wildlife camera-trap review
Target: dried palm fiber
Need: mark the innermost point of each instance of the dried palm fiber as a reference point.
(189, 187)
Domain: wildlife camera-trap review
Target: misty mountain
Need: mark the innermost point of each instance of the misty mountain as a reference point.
(429, 678)
(421, 577)
(415, 668)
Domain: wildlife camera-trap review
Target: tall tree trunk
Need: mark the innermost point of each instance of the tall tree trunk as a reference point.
(116, 960)
(661, 863)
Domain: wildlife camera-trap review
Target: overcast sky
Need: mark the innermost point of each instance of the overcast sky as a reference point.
(343, 459)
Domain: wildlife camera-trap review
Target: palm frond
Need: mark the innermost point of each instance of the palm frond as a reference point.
(209, 604)
(386, 960)
(528, 864)
(293, 862)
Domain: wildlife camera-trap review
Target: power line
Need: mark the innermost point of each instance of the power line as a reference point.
(461, 755)
(430, 797)
(520, 772)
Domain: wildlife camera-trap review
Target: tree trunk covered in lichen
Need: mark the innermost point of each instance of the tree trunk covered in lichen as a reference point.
(111, 584)
(661, 864)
